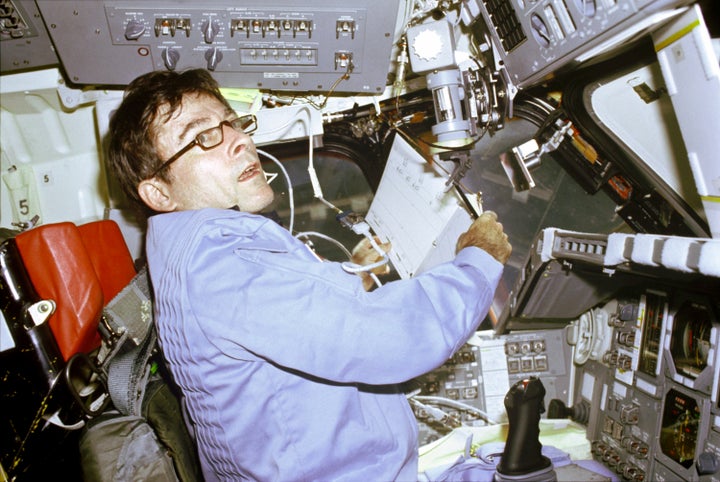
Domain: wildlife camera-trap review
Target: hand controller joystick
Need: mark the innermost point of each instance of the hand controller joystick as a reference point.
(522, 458)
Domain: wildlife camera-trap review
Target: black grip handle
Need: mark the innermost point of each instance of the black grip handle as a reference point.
(524, 403)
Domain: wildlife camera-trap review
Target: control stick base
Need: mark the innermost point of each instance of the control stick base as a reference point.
(543, 475)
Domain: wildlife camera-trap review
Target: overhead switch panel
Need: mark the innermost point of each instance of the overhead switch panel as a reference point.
(275, 45)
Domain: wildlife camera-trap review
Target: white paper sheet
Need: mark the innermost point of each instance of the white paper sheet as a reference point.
(411, 209)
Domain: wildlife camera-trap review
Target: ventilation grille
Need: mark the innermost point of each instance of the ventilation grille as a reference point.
(506, 23)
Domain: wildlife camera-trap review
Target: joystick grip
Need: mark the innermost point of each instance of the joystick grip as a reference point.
(522, 458)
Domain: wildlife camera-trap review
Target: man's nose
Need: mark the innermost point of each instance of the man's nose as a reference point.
(237, 139)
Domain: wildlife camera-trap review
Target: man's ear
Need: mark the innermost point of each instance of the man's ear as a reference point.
(156, 195)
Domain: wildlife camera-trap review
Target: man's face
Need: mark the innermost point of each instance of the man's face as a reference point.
(221, 177)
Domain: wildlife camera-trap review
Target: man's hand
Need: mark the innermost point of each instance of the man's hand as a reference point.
(364, 254)
(486, 233)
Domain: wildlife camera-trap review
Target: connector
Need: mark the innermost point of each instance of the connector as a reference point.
(349, 219)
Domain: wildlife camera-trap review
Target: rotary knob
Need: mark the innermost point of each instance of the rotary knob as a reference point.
(213, 57)
(170, 56)
(210, 29)
(134, 29)
(707, 464)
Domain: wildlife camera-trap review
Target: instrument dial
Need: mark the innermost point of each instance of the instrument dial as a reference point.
(540, 30)
(690, 343)
(587, 7)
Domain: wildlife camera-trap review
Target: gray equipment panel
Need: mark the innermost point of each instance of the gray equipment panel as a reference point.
(645, 359)
(651, 392)
(24, 42)
(275, 45)
(534, 39)
(479, 374)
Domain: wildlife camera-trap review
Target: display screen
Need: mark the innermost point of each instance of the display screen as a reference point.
(690, 343)
(680, 423)
(653, 315)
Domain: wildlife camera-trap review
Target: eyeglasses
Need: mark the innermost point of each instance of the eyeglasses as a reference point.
(213, 137)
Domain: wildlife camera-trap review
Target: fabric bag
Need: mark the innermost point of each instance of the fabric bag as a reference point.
(143, 435)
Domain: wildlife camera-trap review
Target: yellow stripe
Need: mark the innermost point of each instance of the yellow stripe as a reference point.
(711, 199)
(676, 36)
(241, 95)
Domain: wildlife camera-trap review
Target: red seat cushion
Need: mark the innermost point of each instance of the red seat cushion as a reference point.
(81, 269)
(110, 257)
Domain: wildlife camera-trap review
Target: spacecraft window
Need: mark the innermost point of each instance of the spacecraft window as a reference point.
(342, 183)
(556, 201)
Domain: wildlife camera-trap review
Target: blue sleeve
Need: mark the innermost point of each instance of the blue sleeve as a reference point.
(314, 318)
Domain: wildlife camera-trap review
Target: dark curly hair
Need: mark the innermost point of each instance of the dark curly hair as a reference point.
(132, 155)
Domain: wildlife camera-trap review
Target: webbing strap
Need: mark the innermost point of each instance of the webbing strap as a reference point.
(129, 315)
(128, 374)
(130, 311)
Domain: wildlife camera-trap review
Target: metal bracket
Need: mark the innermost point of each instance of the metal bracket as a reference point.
(41, 311)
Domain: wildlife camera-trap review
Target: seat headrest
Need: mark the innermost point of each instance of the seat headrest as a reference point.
(81, 268)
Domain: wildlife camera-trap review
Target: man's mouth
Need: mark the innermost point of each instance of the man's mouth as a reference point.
(250, 172)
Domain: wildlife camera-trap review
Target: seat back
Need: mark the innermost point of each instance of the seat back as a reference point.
(81, 268)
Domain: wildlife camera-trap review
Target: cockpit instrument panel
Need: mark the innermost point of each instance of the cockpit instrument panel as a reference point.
(532, 39)
(691, 341)
(679, 430)
(25, 41)
(658, 416)
(654, 313)
(277, 45)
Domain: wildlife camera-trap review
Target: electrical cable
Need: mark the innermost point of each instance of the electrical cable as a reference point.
(317, 191)
(360, 268)
(457, 405)
(363, 228)
(308, 130)
(436, 414)
(279, 131)
(291, 195)
(465, 147)
(344, 76)
(375, 279)
(330, 239)
(314, 181)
